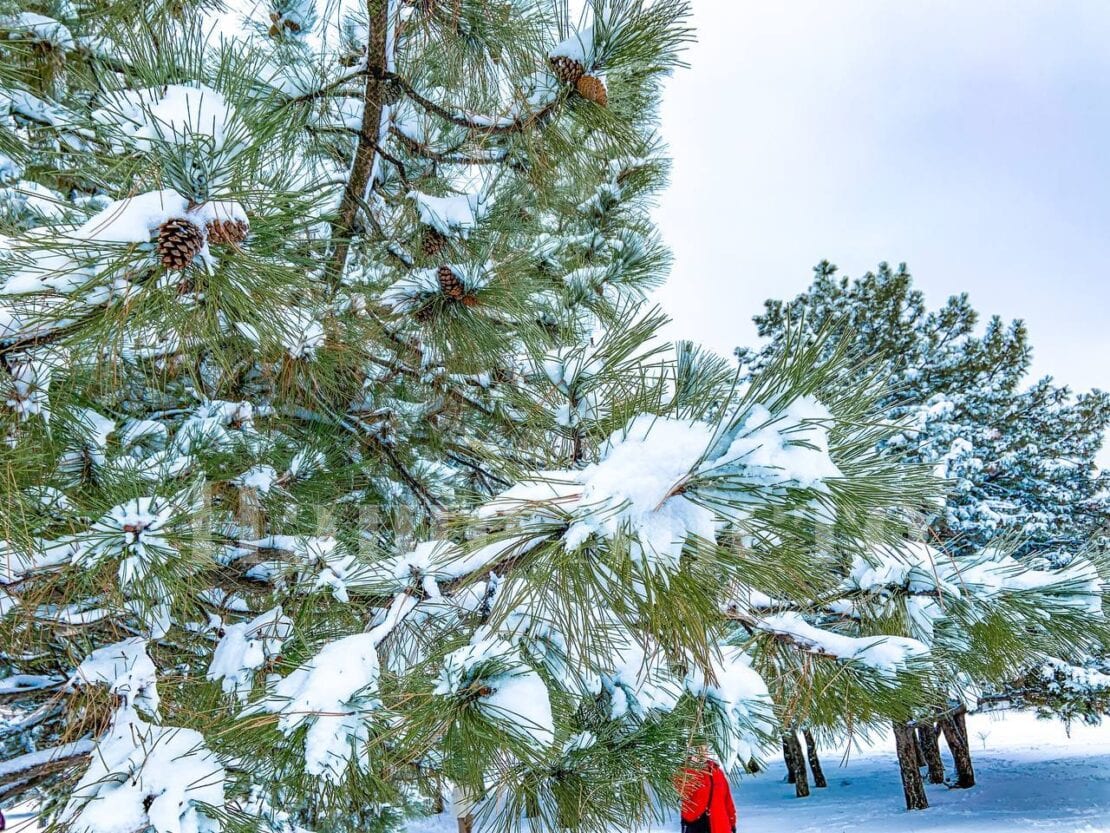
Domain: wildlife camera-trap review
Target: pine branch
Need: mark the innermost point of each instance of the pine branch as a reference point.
(490, 125)
(373, 100)
(46, 761)
(449, 157)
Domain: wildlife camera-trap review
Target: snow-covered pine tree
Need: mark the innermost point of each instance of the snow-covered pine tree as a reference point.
(342, 472)
(1021, 454)
(1021, 461)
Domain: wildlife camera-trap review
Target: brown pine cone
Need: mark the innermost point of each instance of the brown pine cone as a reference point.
(567, 70)
(179, 241)
(593, 89)
(227, 232)
(432, 241)
(450, 285)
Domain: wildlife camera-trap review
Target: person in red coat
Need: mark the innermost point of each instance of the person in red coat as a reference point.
(706, 798)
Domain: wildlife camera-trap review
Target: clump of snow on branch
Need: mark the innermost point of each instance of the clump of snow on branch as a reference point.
(570, 371)
(414, 290)
(261, 478)
(505, 690)
(885, 654)
(143, 776)
(651, 474)
(29, 387)
(635, 489)
(334, 692)
(72, 259)
(926, 576)
(126, 669)
(338, 569)
(790, 448)
(136, 531)
(637, 681)
(36, 27)
(1077, 585)
(456, 215)
(173, 113)
(744, 703)
(427, 562)
(578, 46)
(246, 647)
(302, 332)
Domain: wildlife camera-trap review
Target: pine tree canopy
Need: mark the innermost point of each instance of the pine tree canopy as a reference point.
(344, 472)
(1019, 455)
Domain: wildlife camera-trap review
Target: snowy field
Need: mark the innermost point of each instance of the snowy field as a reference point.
(1032, 777)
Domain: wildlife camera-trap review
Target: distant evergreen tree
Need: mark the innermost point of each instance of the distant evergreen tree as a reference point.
(1019, 456)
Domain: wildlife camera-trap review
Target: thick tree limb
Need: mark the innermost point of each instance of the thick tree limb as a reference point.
(366, 150)
(34, 764)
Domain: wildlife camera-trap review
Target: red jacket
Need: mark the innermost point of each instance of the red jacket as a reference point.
(693, 786)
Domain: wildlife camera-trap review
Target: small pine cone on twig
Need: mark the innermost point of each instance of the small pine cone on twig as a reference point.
(566, 69)
(450, 284)
(227, 232)
(593, 89)
(279, 23)
(179, 241)
(432, 241)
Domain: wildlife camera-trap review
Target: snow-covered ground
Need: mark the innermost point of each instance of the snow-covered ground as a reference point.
(1032, 777)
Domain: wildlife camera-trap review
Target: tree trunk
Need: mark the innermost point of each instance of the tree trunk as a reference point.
(814, 762)
(955, 734)
(796, 761)
(462, 805)
(790, 768)
(362, 168)
(919, 753)
(912, 785)
(928, 740)
(438, 804)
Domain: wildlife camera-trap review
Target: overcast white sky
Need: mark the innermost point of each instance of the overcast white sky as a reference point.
(969, 138)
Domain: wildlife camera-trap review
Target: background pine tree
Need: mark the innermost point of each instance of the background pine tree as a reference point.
(1019, 454)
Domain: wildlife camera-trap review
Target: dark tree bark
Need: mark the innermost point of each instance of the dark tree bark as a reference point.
(960, 719)
(795, 760)
(790, 768)
(955, 735)
(373, 101)
(928, 740)
(466, 823)
(814, 762)
(919, 752)
(912, 784)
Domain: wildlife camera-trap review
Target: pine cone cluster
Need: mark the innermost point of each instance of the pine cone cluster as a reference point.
(179, 241)
(593, 89)
(279, 22)
(567, 70)
(450, 284)
(227, 232)
(432, 241)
